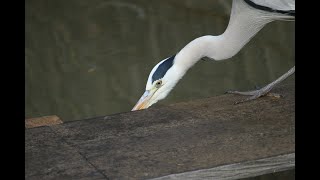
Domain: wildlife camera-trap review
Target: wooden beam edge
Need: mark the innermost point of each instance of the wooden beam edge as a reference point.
(239, 170)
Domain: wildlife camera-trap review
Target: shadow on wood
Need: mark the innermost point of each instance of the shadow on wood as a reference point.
(198, 139)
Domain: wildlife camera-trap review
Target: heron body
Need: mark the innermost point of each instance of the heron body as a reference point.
(247, 18)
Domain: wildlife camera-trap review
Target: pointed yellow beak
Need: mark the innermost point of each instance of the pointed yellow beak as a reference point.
(144, 101)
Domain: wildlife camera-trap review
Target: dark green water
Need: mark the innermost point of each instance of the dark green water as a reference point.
(283, 175)
(92, 58)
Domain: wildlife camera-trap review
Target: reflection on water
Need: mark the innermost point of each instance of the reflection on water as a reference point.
(92, 58)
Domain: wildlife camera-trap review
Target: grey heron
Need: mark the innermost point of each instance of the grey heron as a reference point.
(247, 18)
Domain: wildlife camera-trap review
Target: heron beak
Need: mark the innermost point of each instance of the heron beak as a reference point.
(144, 101)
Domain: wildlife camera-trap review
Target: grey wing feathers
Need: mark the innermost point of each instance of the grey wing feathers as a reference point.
(283, 5)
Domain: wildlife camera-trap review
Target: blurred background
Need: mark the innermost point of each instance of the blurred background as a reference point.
(92, 58)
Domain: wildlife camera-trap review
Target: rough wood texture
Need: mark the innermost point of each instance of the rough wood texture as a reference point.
(166, 140)
(42, 121)
(239, 170)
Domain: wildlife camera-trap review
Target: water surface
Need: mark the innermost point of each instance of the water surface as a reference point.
(92, 58)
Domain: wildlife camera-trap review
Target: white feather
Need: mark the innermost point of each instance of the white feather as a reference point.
(285, 5)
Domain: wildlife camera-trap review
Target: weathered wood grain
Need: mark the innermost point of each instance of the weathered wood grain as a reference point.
(239, 170)
(164, 140)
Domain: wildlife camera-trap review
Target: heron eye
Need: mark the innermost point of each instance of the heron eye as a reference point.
(158, 84)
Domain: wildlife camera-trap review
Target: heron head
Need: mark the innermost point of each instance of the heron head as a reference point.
(162, 78)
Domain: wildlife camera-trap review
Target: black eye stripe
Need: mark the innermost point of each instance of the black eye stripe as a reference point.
(162, 68)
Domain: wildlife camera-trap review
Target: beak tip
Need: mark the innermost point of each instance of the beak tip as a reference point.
(143, 101)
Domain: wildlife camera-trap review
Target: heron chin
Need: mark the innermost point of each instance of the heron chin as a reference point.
(247, 18)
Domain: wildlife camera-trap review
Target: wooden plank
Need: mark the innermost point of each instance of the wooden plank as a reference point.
(42, 121)
(47, 156)
(164, 140)
(239, 170)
